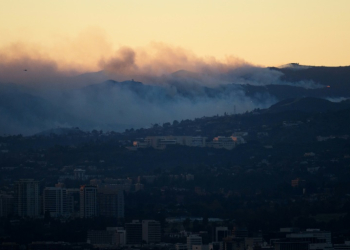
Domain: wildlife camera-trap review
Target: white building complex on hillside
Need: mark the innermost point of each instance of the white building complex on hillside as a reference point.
(161, 142)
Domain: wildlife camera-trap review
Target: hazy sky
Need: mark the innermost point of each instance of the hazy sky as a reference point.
(262, 32)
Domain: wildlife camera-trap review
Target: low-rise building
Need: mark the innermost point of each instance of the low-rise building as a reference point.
(192, 240)
(112, 236)
(161, 142)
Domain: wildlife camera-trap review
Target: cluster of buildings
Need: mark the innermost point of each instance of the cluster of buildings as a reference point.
(286, 239)
(161, 142)
(148, 232)
(223, 239)
(86, 201)
(311, 239)
(135, 233)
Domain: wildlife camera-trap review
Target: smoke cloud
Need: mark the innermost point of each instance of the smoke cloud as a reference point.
(66, 85)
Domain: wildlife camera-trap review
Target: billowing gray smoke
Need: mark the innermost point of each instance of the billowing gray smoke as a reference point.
(170, 84)
(112, 105)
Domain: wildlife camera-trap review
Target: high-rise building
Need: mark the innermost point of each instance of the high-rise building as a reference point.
(133, 233)
(73, 197)
(56, 202)
(151, 231)
(121, 204)
(6, 205)
(88, 201)
(221, 233)
(27, 198)
(111, 202)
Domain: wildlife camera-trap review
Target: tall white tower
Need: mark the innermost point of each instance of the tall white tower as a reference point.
(27, 198)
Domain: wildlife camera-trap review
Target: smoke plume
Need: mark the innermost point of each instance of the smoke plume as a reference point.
(66, 85)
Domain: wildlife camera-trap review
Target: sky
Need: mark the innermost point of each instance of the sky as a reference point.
(84, 34)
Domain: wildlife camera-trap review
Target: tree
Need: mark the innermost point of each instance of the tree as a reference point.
(167, 124)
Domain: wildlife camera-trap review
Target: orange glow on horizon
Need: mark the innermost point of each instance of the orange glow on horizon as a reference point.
(81, 34)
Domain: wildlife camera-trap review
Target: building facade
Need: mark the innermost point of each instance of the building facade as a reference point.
(151, 231)
(88, 201)
(111, 202)
(133, 233)
(27, 198)
(56, 202)
(193, 240)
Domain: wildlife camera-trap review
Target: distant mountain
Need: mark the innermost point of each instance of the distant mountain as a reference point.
(61, 131)
(164, 93)
(118, 105)
(337, 78)
(282, 92)
(308, 104)
(294, 66)
(332, 82)
(131, 85)
(110, 89)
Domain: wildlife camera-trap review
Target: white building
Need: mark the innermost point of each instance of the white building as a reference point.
(27, 198)
(198, 141)
(313, 233)
(160, 142)
(345, 246)
(200, 247)
(223, 142)
(112, 236)
(193, 239)
(180, 246)
(79, 174)
(312, 239)
(56, 202)
(151, 231)
(121, 235)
